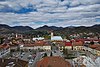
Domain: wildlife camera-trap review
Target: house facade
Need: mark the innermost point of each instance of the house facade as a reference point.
(4, 50)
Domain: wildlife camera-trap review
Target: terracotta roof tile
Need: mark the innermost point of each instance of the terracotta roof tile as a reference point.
(68, 44)
(78, 43)
(98, 48)
(94, 46)
(53, 62)
(4, 46)
(37, 43)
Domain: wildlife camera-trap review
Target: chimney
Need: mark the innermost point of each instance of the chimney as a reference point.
(2, 60)
(16, 59)
(16, 35)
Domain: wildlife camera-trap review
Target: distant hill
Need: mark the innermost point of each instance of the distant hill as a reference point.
(48, 28)
(22, 28)
(5, 28)
(60, 30)
(70, 29)
(17, 29)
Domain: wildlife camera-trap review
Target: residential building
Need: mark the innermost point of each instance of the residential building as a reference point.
(95, 49)
(14, 46)
(68, 44)
(78, 45)
(27, 40)
(42, 45)
(37, 45)
(4, 50)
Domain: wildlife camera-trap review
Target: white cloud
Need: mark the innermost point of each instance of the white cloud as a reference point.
(51, 12)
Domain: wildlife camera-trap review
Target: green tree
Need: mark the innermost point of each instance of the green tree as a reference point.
(91, 43)
(45, 55)
(65, 52)
(51, 54)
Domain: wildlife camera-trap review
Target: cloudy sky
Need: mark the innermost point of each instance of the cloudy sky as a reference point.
(36, 13)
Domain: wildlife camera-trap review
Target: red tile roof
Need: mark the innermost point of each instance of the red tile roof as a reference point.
(78, 40)
(54, 61)
(37, 43)
(28, 45)
(4, 46)
(98, 48)
(78, 43)
(95, 46)
(91, 39)
(68, 44)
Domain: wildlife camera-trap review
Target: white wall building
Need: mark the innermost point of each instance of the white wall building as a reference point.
(38, 38)
(56, 38)
(36, 47)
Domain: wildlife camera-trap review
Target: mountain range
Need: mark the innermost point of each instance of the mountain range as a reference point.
(67, 30)
(16, 29)
(71, 29)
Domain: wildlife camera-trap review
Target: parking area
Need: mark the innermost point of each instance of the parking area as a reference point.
(24, 55)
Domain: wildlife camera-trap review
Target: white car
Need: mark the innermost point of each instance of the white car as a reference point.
(30, 56)
(23, 53)
(30, 62)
